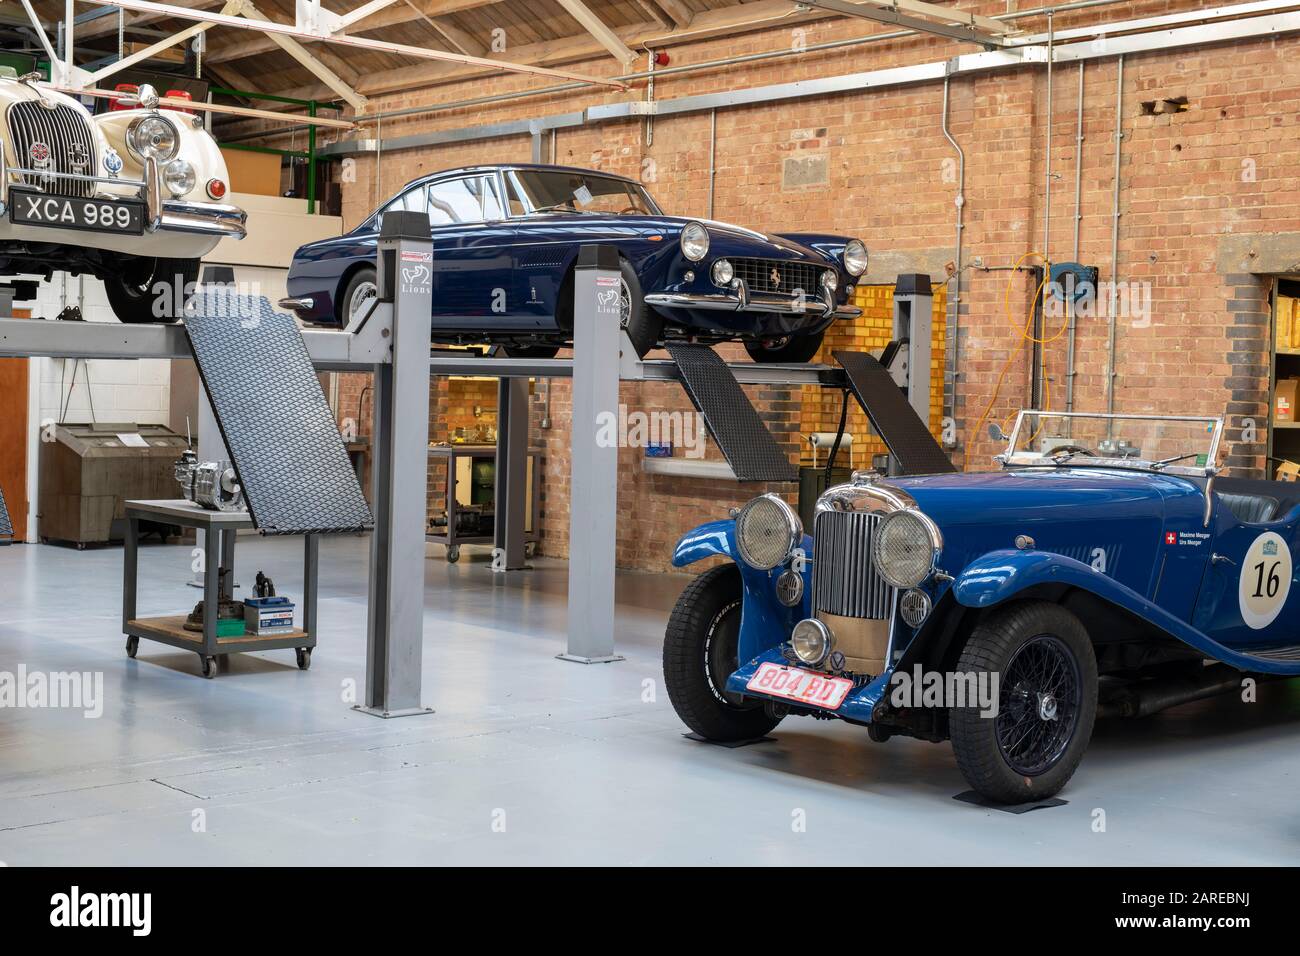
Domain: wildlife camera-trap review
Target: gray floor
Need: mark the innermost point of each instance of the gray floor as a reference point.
(529, 759)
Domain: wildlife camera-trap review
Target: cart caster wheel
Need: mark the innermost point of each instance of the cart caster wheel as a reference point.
(132, 645)
(530, 549)
(209, 666)
(304, 658)
(453, 554)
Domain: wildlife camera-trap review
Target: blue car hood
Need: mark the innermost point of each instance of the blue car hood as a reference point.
(1038, 495)
(727, 238)
(1075, 512)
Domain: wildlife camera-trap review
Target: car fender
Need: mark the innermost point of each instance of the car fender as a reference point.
(1000, 576)
(764, 621)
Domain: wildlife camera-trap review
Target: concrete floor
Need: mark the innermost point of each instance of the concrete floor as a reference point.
(533, 760)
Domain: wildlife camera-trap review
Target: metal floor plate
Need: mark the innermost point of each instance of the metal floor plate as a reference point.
(6, 526)
(894, 419)
(282, 437)
(744, 440)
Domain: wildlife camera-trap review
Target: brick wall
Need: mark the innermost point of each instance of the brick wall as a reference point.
(1192, 183)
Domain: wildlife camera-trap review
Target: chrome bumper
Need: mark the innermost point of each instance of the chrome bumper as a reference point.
(739, 299)
(209, 219)
(303, 304)
(169, 215)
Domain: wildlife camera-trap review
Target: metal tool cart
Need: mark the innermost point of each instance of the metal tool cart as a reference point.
(219, 530)
(461, 461)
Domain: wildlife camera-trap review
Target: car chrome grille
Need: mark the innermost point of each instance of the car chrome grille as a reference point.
(759, 275)
(845, 581)
(67, 134)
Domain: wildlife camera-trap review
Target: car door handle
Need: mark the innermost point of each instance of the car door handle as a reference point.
(1221, 559)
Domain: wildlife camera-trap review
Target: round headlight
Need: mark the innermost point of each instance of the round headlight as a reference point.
(855, 257)
(179, 177)
(695, 241)
(153, 137)
(147, 97)
(811, 641)
(904, 547)
(767, 530)
(830, 280)
(723, 273)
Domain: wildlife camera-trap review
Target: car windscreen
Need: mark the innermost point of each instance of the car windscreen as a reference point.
(1077, 437)
(536, 191)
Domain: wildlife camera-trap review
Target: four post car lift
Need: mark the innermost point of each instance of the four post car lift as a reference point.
(392, 342)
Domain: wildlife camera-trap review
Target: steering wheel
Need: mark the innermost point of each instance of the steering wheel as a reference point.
(1072, 450)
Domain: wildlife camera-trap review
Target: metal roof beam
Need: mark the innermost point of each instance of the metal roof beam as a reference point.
(292, 32)
(894, 16)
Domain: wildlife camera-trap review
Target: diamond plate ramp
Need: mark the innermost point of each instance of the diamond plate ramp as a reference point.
(748, 446)
(282, 437)
(892, 416)
(6, 527)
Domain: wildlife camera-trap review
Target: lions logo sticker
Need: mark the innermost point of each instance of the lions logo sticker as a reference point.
(1265, 580)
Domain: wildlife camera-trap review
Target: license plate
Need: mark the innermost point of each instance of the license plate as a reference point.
(63, 212)
(797, 684)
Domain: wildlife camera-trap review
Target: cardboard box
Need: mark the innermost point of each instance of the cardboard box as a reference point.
(1284, 399)
(1287, 471)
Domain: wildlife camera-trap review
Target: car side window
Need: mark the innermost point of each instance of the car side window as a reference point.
(471, 199)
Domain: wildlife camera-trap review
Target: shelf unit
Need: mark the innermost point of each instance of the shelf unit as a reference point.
(1284, 362)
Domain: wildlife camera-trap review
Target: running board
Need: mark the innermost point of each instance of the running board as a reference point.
(744, 440)
(892, 416)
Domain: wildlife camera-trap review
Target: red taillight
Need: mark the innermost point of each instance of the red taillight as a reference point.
(117, 105)
(216, 188)
(180, 95)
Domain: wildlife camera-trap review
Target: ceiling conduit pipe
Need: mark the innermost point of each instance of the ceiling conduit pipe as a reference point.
(960, 203)
(1070, 371)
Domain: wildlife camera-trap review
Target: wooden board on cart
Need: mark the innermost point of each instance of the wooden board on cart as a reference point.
(174, 627)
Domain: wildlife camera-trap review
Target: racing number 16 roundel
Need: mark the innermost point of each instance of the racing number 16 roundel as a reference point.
(1265, 580)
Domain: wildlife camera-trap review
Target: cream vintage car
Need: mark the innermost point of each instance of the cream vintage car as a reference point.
(133, 197)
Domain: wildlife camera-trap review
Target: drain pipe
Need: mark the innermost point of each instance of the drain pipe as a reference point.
(1070, 372)
(1114, 237)
(1047, 165)
(713, 147)
(960, 203)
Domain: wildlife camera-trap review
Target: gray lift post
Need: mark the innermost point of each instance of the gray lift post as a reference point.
(401, 460)
(511, 475)
(913, 320)
(593, 481)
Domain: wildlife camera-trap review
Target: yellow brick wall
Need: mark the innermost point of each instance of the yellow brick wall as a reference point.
(870, 332)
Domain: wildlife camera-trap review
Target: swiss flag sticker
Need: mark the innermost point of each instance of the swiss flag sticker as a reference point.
(1171, 538)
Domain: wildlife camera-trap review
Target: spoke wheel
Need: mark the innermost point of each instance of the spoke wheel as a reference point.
(1039, 705)
(361, 296)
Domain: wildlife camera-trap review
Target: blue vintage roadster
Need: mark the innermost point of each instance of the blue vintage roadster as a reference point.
(506, 239)
(1106, 568)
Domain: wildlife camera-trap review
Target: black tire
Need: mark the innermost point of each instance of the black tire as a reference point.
(699, 654)
(132, 646)
(364, 282)
(644, 326)
(151, 290)
(796, 349)
(1045, 663)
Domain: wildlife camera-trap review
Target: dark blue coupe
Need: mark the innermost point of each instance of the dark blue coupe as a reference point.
(505, 240)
